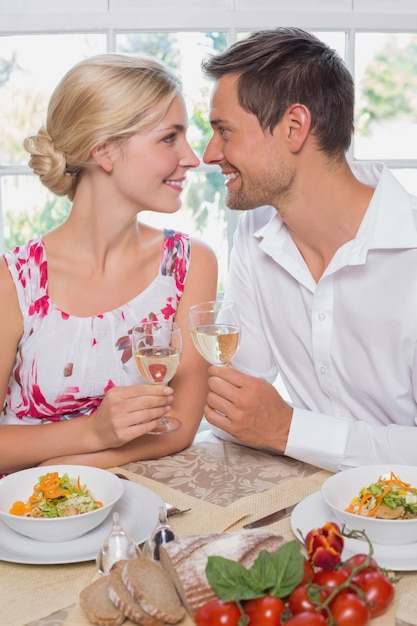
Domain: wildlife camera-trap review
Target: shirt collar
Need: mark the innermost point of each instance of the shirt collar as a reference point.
(389, 222)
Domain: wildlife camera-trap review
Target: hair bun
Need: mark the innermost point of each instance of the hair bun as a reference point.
(48, 162)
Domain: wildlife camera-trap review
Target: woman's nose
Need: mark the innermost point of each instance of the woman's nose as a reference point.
(190, 159)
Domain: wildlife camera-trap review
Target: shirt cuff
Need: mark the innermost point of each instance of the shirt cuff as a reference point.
(317, 439)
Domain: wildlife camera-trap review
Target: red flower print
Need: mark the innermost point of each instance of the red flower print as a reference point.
(109, 386)
(40, 307)
(168, 311)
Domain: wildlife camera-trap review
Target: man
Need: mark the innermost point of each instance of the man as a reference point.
(323, 268)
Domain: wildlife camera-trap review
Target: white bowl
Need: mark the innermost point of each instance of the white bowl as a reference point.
(103, 485)
(341, 488)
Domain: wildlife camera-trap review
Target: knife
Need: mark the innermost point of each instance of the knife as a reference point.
(272, 517)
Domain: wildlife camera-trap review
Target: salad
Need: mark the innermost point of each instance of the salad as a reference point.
(387, 498)
(56, 496)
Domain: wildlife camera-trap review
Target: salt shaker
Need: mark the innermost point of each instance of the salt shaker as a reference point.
(117, 546)
(163, 533)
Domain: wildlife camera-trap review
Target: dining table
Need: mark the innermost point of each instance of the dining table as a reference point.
(224, 485)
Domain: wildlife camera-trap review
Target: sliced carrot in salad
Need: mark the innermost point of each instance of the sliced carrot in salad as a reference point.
(390, 491)
(56, 496)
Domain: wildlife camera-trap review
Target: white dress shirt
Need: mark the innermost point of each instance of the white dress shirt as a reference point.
(345, 346)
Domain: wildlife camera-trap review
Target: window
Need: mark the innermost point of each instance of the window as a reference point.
(38, 45)
(30, 67)
(386, 109)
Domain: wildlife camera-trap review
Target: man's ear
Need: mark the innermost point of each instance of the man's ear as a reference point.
(103, 156)
(298, 126)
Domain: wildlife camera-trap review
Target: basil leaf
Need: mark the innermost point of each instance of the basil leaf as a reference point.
(230, 580)
(271, 574)
(289, 569)
(263, 571)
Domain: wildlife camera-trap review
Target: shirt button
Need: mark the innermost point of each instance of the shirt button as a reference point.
(323, 369)
(322, 317)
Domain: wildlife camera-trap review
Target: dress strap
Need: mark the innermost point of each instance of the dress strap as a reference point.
(176, 258)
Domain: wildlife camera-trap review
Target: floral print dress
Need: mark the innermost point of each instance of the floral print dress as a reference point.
(65, 364)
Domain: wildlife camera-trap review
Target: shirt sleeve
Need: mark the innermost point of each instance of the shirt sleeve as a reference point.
(315, 437)
(337, 444)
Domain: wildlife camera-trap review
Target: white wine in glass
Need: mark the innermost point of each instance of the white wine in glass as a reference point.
(215, 330)
(156, 348)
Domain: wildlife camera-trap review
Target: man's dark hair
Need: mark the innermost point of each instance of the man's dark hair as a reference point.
(280, 67)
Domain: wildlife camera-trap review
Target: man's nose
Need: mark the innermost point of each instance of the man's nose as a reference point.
(212, 153)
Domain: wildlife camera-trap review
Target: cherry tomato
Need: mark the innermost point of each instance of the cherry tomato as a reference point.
(330, 578)
(378, 590)
(357, 560)
(307, 618)
(265, 611)
(349, 610)
(299, 600)
(218, 613)
(308, 572)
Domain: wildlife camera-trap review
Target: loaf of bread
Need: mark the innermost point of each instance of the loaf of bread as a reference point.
(152, 587)
(185, 559)
(96, 604)
(124, 601)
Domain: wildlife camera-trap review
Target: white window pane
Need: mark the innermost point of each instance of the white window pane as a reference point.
(29, 209)
(30, 68)
(386, 96)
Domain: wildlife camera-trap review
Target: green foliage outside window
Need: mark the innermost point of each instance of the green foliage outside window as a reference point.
(22, 226)
(389, 87)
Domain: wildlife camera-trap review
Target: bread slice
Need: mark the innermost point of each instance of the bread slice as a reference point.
(185, 559)
(124, 601)
(96, 604)
(151, 586)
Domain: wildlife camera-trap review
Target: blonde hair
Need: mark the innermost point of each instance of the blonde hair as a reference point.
(108, 97)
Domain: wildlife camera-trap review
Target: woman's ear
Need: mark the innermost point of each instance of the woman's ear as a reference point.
(298, 126)
(103, 156)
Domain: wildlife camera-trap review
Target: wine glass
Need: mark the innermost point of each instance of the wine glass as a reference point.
(156, 348)
(215, 330)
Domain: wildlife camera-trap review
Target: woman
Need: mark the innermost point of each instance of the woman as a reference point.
(115, 144)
